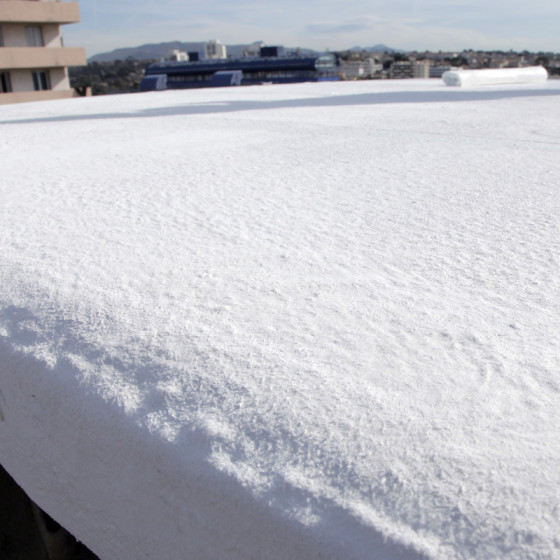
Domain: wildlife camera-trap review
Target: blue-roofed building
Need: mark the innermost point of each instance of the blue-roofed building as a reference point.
(255, 70)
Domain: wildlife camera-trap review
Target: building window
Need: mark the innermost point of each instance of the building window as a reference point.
(1, 38)
(41, 80)
(5, 82)
(34, 36)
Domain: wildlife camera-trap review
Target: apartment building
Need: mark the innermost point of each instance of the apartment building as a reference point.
(407, 69)
(33, 59)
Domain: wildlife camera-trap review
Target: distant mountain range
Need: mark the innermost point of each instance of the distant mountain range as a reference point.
(150, 51)
(156, 51)
(379, 48)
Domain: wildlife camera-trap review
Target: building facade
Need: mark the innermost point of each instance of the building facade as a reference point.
(33, 59)
(359, 69)
(401, 70)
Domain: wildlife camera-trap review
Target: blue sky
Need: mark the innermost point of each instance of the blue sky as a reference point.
(321, 24)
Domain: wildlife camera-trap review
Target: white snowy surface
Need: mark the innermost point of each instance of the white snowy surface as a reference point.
(496, 76)
(286, 322)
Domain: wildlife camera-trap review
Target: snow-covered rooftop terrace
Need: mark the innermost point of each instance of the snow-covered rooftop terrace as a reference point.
(286, 322)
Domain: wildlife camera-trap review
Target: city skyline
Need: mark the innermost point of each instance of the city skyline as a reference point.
(329, 24)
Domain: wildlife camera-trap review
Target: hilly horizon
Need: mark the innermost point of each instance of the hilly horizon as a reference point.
(150, 51)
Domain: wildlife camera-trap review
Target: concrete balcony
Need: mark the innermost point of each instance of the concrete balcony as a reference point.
(12, 11)
(41, 57)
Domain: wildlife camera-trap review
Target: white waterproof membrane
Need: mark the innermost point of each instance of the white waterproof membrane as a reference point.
(286, 322)
(495, 76)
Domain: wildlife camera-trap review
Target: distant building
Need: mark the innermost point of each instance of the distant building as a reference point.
(358, 69)
(253, 49)
(438, 71)
(33, 60)
(421, 69)
(372, 67)
(214, 49)
(407, 69)
(401, 70)
(177, 55)
(278, 70)
(267, 52)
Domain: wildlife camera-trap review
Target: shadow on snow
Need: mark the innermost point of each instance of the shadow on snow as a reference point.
(374, 98)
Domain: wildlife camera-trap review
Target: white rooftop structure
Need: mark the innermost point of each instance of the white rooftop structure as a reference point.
(286, 322)
(178, 56)
(215, 49)
(492, 76)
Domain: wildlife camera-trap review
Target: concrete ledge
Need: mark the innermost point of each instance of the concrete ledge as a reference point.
(13, 58)
(39, 12)
(27, 96)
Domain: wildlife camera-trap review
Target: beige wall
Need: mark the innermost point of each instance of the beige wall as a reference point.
(14, 34)
(51, 35)
(59, 79)
(22, 80)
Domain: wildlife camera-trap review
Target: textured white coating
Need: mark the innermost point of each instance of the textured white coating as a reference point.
(286, 321)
